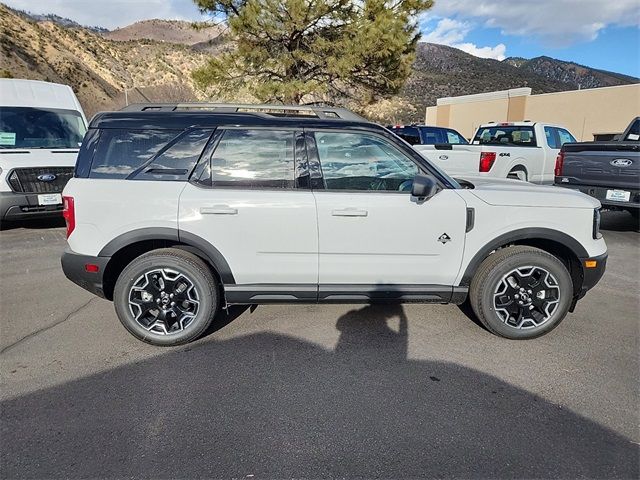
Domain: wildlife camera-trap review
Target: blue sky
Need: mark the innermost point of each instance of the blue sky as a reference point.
(599, 33)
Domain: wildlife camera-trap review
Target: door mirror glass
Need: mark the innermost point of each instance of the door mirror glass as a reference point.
(424, 187)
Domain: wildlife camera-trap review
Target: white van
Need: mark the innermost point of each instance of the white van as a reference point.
(41, 129)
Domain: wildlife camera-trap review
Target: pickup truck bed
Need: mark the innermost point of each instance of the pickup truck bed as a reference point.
(608, 171)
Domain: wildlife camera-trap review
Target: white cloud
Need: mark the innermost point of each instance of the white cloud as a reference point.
(111, 13)
(453, 32)
(557, 23)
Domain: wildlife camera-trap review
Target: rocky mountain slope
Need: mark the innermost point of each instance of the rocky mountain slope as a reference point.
(153, 59)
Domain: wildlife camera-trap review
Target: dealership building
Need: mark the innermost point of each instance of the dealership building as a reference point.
(595, 113)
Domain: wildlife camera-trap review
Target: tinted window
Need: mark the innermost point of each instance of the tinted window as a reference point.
(431, 136)
(633, 134)
(408, 134)
(455, 138)
(353, 161)
(120, 152)
(22, 127)
(506, 135)
(254, 159)
(176, 162)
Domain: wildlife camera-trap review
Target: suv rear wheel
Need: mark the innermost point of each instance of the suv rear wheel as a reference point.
(166, 297)
(521, 292)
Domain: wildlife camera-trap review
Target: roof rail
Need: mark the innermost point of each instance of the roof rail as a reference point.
(325, 113)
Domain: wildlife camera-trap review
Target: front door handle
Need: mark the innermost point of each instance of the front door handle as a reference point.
(349, 212)
(219, 210)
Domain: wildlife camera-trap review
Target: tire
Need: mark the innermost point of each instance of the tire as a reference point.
(518, 174)
(145, 291)
(521, 274)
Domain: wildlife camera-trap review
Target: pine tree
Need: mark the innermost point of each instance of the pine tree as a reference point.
(295, 51)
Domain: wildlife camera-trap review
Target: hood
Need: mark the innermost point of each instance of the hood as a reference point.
(516, 193)
(25, 158)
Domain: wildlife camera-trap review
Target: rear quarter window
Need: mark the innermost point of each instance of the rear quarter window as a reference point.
(147, 154)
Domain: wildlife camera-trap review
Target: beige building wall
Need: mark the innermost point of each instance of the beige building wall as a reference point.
(583, 112)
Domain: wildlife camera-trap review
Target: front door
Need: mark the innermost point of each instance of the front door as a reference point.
(373, 235)
(246, 202)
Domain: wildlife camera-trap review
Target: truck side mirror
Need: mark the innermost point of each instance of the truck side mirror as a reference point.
(424, 187)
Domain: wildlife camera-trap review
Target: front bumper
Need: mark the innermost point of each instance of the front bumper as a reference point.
(74, 267)
(20, 206)
(591, 276)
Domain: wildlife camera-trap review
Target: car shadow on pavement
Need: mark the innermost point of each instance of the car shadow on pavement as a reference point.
(270, 405)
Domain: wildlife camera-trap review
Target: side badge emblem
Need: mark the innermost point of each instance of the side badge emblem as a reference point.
(444, 238)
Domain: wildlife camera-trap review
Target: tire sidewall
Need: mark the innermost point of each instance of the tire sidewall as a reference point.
(553, 266)
(208, 299)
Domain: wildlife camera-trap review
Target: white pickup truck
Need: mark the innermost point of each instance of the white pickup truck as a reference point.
(520, 150)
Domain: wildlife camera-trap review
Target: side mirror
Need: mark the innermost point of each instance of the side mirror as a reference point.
(424, 187)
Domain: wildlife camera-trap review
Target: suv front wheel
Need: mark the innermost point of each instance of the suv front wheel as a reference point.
(166, 297)
(521, 292)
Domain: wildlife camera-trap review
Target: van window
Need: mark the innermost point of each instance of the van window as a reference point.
(254, 159)
(27, 127)
(120, 151)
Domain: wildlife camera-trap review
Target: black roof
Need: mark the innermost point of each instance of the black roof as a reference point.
(180, 120)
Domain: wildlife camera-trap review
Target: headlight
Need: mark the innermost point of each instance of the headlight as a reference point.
(596, 224)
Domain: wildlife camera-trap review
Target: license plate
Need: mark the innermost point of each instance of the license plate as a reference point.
(50, 199)
(618, 195)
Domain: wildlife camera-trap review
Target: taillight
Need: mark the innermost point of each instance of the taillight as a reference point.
(559, 164)
(487, 159)
(69, 214)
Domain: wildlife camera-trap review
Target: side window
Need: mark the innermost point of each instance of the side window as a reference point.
(633, 135)
(454, 138)
(254, 159)
(565, 137)
(176, 162)
(120, 152)
(430, 136)
(355, 161)
(550, 134)
(410, 135)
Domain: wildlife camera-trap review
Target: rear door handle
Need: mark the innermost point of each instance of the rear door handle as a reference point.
(218, 210)
(349, 212)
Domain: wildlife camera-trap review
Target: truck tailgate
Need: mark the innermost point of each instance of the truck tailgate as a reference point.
(606, 164)
(453, 159)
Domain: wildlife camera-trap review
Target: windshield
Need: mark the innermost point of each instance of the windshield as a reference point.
(522, 136)
(26, 127)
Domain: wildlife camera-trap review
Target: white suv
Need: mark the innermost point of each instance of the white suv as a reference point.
(177, 211)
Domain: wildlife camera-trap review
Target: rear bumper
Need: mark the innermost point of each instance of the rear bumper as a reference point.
(600, 193)
(74, 267)
(20, 206)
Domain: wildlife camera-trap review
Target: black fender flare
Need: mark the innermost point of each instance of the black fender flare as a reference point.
(534, 233)
(197, 244)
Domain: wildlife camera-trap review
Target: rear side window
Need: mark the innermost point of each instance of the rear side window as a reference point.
(408, 134)
(431, 136)
(455, 138)
(176, 161)
(522, 136)
(633, 135)
(565, 137)
(121, 152)
(556, 137)
(254, 159)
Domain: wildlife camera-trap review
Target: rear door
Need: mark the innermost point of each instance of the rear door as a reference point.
(251, 203)
(375, 238)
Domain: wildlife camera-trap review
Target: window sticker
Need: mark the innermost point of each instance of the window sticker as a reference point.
(7, 138)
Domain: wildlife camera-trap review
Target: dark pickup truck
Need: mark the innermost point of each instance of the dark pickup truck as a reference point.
(608, 171)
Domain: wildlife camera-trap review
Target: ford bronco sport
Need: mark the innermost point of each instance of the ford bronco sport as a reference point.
(178, 211)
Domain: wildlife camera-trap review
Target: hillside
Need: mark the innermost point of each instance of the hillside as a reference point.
(98, 69)
(153, 59)
(172, 31)
(579, 76)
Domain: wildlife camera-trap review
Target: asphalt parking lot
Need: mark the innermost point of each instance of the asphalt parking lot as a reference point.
(314, 391)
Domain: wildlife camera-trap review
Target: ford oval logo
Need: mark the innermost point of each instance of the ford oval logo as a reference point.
(47, 177)
(621, 162)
